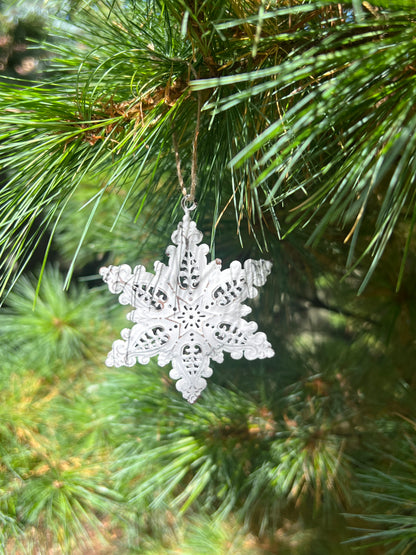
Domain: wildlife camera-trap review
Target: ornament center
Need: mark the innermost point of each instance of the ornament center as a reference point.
(190, 317)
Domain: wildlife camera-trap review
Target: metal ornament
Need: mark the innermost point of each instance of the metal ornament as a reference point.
(189, 311)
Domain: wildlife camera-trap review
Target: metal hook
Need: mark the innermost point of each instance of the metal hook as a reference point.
(187, 204)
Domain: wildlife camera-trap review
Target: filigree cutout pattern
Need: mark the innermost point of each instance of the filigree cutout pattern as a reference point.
(188, 312)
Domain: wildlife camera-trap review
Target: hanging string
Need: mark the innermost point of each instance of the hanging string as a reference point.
(189, 196)
(195, 151)
(178, 164)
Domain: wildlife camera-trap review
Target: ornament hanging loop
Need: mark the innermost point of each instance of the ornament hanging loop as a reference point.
(188, 205)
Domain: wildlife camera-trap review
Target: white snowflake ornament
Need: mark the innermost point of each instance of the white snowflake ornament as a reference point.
(188, 312)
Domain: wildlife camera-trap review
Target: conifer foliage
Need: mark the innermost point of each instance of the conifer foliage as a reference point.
(298, 116)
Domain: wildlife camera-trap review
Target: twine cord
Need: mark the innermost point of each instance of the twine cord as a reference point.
(189, 196)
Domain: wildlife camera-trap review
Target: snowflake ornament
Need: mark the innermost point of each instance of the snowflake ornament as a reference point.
(188, 312)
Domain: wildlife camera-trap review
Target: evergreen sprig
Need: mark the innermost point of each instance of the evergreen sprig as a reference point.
(306, 107)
